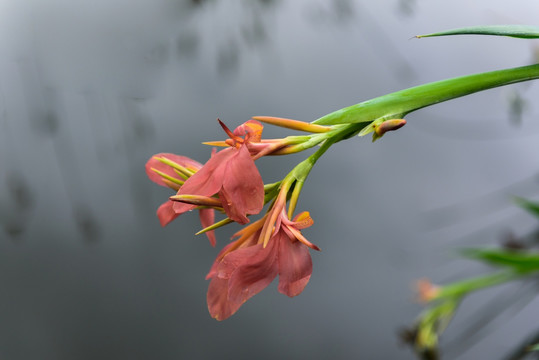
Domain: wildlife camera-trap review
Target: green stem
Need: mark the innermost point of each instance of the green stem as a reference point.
(462, 288)
(302, 170)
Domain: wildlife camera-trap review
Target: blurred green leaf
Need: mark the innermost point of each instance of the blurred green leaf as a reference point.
(530, 206)
(535, 348)
(517, 31)
(396, 105)
(522, 262)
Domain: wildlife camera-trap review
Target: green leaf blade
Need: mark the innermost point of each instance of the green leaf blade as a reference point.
(530, 206)
(396, 105)
(522, 262)
(516, 31)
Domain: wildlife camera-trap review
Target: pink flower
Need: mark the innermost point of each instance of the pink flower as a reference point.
(232, 174)
(163, 169)
(245, 267)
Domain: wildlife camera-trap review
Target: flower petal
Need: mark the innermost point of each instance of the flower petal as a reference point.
(207, 181)
(238, 276)
(250, 269)
(251, 128)
(207, 218)
(233, 246)
(165, 213)
(295, 265)
(218, 305)
(243, 187)
(302, 220)
(213, 270)
(158, 165)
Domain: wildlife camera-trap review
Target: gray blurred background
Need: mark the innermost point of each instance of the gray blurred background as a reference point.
(89, 91)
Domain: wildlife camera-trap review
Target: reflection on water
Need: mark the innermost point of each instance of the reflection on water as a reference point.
(188, 44)
(517, 106)
(407, 7)
(15, 210)
(336, 12)
(91, 91)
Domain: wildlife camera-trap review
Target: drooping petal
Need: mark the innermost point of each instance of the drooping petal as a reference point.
(207, 181)
(218, 305)
(213, 270)
(242, 190)
(233, 246)
(231, 261)
(207, 218)
(158, 165)
(165, 213)
(295, 265)
(239, 275)
(255, 268)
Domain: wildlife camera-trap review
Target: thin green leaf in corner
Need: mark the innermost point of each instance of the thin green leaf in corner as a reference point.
(521, 262)
(530, 206)
(517, 31)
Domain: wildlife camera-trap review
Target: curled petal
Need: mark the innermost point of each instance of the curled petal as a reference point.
(295, 265)
(251, 128)
(302, 220)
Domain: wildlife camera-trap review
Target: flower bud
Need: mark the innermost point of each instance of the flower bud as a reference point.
(389, 125)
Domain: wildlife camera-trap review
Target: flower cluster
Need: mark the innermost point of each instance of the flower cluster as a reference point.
(230, 183)
(444, 300)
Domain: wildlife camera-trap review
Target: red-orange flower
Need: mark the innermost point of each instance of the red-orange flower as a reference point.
(164, 174)
(245, 267)
(232, 174)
